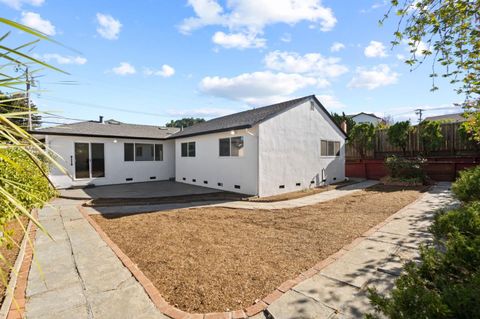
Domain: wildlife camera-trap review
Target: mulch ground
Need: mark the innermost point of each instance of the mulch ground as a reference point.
(10, 254)
(219, 259)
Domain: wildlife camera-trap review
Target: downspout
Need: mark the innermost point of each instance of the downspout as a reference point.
(258, 157)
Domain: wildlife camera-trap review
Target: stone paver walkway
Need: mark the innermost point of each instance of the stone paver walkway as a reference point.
(79, 276)
(83, 278)
(339, 290)
(292, 203)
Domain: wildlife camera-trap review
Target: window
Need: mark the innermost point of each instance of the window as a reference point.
(143, 152)
(159, 152)
(329, 148)
(231, 146)
(128, 152)
(188, 149)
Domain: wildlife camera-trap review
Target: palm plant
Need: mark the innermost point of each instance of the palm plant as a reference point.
(23, 159)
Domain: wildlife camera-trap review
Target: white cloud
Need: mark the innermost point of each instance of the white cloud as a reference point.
(286, 37)
(166, 71)
(109, 27)
(238, 40)
(250, 17)
(417, 47)
(330, 101)
(375, 49)
(337, 46)
(377, 76)
(313, 64)
(124, 68)
(201, 112)
(256, 88)
(35, 21)
(17, 4)
(62, 59)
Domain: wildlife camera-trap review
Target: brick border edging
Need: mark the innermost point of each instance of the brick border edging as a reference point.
(17, 307)
(259, 306)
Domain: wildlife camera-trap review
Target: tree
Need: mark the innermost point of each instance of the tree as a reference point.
(448, 31)
(362, 138)
(431, 135)
(339, 118)
(398, 135)
(16, 102)
(185, 122)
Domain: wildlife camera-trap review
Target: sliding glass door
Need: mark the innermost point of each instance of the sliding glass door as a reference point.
(89, 160)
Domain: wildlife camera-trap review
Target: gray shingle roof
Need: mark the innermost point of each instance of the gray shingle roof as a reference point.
(109, 128)
(457, 117)
(243, 119)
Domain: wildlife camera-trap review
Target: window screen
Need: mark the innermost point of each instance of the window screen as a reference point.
(330, 148)
(184, 149)
(337, 148)
(224, 147)
(128, 152)
(323, 151)
(191, 149)
(143, 152)
(159, 152)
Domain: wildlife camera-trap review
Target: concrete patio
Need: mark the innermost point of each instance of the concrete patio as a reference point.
(137, 190)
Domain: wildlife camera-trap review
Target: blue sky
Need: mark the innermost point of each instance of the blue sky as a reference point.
(164, 60)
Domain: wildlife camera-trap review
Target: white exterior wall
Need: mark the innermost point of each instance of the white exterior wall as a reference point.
(208, 166)
(116, 169)
(289, 151)
(365, 118)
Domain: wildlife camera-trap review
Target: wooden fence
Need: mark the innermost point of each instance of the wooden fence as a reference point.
(453, 145)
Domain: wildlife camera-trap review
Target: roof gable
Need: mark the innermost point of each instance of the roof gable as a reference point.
(246, 119)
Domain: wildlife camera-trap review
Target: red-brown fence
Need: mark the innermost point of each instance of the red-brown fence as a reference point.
(439, 169)
(453, 145)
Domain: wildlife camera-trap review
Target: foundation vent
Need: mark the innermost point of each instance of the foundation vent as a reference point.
(237, 186)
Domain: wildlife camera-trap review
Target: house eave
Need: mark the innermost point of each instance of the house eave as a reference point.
(99, 135)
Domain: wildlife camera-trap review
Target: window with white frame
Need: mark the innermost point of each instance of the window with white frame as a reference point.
(231, 146)
(142, 152)
(329, 148)
(188, 149)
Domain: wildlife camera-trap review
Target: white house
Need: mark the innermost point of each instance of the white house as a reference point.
(363, 117)
(265, 151)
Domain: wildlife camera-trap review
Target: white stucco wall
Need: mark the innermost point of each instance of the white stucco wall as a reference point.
(116, 169)
(289, 151)
(365, 118)
(208, 166)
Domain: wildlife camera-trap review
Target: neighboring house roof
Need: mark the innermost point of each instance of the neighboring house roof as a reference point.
(241, 120)
(369, 114)
(247, 119)
(110, 128)
(457, 117)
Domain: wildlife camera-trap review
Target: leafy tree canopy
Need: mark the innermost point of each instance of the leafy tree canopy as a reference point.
(448, 31)
(362, 137)
(339, 118)
(398, 134)
(185, 122)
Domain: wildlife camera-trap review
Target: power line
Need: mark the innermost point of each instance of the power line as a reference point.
(97, 106)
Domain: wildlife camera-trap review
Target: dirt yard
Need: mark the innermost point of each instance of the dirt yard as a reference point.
(10, 254)
(218, 259)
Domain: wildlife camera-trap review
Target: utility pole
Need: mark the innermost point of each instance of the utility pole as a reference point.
(419, 112)
(27, 95)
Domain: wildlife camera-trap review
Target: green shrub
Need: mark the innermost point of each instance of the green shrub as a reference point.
(398, 135)
(22, 179)
(362, 137)
(446, 281)
(404, 168)
(431, 135)
(467, 186)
